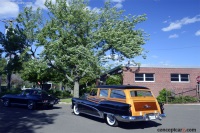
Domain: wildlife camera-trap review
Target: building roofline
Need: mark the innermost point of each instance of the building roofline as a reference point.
(164, 66)
(121, 87)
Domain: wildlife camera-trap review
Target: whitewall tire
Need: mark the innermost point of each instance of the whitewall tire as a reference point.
(111, 120)
(75, 109)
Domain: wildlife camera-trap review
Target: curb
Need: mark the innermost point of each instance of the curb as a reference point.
(64, 103)
(185, 104)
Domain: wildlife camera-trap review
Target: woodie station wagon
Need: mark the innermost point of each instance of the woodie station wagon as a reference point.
(119, 103)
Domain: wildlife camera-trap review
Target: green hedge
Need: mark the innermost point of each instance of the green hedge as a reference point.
(174, 99)
(184, 99)
(59, 93)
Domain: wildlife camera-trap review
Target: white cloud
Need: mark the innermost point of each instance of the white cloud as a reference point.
(179, 23)
(197, 33)
(174, 36)
(8, 9)
(118, 3)
(40, 4)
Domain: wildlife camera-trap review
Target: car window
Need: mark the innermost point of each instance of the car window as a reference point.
(117, 94)
(140, 93)
(103, 93)
(26, 92)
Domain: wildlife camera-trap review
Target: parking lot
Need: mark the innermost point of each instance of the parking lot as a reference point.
(60, 119)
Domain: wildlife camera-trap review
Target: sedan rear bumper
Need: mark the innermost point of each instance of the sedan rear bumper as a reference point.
(146, 117)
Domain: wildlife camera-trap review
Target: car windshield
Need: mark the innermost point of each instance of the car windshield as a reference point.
(140, 93)
(38, 92)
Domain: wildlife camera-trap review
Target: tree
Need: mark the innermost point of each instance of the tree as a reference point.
(2, 69)
(29, 23)
(13, 45)
(75, 39)
(114, 80)
(38, 72)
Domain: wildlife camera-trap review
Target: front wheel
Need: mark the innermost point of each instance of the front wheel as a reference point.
(6, 102)
(76, 111)
(31, 105)
(111, 120)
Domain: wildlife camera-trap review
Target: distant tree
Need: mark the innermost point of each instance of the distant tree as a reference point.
(114, 80)
(13, 46)
(2, 69)
(36, 71)
(75, 39)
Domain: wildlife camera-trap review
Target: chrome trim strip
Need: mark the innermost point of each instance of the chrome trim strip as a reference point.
(99, 112)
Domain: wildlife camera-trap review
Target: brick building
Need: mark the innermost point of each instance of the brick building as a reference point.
(179, 80)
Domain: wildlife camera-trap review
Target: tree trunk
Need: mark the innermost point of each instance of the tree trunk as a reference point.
(76, 89)
(9, 81)
(0, 82)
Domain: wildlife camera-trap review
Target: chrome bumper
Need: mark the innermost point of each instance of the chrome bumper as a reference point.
(146, 117)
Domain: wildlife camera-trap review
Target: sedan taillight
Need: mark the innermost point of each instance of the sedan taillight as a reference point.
(45, 101)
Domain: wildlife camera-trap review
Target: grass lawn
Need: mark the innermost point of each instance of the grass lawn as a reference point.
(67, 100)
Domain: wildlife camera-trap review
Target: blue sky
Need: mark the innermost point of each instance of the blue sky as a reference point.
(173, 25)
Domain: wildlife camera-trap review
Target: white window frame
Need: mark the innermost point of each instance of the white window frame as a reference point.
(179, 78)
(144, 77)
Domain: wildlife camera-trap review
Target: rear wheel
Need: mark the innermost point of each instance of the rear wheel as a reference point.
(6, 102)
(111, 120)
(75, 109)
(31, 105)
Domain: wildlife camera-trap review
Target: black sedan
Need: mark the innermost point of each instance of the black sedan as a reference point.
(31, 98)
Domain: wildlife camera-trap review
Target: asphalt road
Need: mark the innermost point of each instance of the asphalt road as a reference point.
(60, 119)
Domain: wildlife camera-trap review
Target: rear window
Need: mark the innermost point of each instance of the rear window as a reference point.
(141, 93)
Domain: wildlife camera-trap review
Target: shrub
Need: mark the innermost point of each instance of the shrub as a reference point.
(162, 95)
(60, 94)
(178, 99)
(184, 99)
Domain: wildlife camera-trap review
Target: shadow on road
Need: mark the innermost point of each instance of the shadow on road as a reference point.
(21, 120)
(139, 125)
(123, 125)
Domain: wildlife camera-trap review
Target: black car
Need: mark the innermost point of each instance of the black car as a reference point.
(119, 103)
(31, 98)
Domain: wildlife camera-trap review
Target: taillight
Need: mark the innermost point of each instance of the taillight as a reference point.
(130, 112)
(45, 101)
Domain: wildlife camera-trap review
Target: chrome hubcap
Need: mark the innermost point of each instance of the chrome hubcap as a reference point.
(110, 119)
(76, 110)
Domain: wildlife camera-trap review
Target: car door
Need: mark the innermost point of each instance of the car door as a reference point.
(22, 99)
(91, 105)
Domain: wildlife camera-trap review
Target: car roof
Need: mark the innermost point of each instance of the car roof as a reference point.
(122, 87)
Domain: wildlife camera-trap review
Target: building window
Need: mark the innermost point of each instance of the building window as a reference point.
(144, 77)
(117, 94)
(179, 77)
